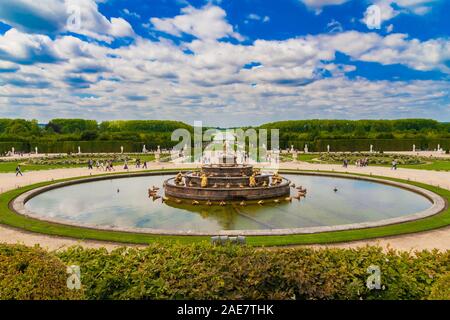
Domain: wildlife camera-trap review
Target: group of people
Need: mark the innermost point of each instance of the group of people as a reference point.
(138, 164)
(364, 162)
(108, 165)
(100, 165)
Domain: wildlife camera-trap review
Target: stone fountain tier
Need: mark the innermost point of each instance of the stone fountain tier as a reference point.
(227, 170)
(225, 181)
(226, 194)
(194, 179)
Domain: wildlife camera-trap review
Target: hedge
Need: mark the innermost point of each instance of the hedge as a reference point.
(32, 273)
(95, 146)
(341, 145)
(203, 271)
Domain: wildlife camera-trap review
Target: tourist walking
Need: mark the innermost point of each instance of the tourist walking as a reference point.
(18, 171)
(345, 165)
(110, 164)
(144, 165)
(394, 165)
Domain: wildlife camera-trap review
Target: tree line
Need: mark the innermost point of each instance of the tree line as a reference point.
(316, 133)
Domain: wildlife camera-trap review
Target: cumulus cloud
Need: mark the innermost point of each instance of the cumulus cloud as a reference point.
(389, 9)
(24, 48)
(256, 17)
(392, 49)
(207, 23)
(317, 5)
(51, 17)
(161, 79)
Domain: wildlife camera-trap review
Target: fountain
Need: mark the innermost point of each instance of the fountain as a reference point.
(227, 181)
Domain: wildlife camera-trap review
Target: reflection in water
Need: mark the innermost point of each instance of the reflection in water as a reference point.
(99, 203)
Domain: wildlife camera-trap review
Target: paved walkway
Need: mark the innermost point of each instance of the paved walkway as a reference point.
(439, 239)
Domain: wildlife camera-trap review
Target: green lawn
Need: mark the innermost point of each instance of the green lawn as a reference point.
(11, 166)
(438, 165)
(10, 218)
(307, 157)
(431, 164)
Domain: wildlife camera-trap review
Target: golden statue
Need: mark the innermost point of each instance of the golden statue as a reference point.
(204, 181)
(178, 178)
(276, 178)
(252, 181)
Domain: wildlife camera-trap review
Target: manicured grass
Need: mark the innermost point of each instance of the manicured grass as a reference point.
(307, 157)
(431, 164)
(438, 165)
(8, 217)
(11, 166)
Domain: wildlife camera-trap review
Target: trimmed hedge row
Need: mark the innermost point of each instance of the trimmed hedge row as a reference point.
(203, 271)
(336, 145)
(353, 145)
(95, 146)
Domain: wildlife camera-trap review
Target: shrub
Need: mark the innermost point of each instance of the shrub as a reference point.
(441, 288)
(32, 273)
(203, 271)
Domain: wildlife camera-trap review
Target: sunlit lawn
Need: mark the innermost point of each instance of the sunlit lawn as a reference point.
(431, 164)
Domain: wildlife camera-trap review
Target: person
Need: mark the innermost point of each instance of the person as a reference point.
(111, 167)
(144, 165)
(90, 164)
(394, 165)
(18, 171)
(345, 165)
(125, 167)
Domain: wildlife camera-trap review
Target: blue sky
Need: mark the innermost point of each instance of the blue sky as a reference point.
(225, 62)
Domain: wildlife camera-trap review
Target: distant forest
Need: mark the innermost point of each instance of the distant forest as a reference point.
(58, 133)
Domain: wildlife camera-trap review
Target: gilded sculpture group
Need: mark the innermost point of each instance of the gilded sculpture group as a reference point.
(276, 179)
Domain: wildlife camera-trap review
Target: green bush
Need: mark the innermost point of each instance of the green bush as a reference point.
(441, 288)
(32, 273)
(374, 158)
(203, 271)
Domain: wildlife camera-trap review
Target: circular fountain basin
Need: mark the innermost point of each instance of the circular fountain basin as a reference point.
(122, 203)
(227, 193)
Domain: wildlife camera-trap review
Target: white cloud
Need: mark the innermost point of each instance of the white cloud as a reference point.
(23, 48)
(317, 5)
(207, 23)
(389, 9)
(390, 28)
(256, 17)
(131, 13)
(392, 49)
(58, 16)
(64, 75)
